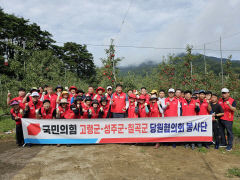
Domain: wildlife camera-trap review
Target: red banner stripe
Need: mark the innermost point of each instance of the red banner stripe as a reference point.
(157, 139)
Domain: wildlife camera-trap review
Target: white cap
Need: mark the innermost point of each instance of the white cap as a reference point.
(153, 96)
(109, 87)
(35, 94)
(171, 90)
(225, 90)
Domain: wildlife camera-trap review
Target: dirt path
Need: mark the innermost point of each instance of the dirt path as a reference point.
(112, 161)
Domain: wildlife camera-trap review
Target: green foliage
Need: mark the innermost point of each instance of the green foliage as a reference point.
(109, 72)
(6, 124)
(77, 59)
(233, 172)
(33, 59)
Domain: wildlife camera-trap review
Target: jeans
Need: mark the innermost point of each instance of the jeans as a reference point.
(228, 126)
(19, 135)
(216, 132)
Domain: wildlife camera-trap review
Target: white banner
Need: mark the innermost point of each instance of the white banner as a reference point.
(127, 130)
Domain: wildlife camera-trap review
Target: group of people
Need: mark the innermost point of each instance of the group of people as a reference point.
(73, 103)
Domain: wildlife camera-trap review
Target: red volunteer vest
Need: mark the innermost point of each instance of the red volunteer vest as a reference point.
(131, 111)
(33, 108)
(142, 111)
(154, 110)
(203, 107)
(86, 108)
(188, 109)
(108, 99)
(66, 113)
(228, 113)
(52, 99)
(172, 109)
(95, 113)
(105, 110)
(48, 114)
(119, 102)
(99, 97)
(16, 114)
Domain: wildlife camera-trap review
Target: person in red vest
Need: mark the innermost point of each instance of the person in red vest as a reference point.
(154, 110)
(64, 95)
(93, 112)
(108, 94)
(33, 106)
(16, 114)
(203, 103)
(46, 112)
(76, 107)
(205, 109)
(21, 95)
(226, 121)
(91, 92)
(208, 95)
(143, 107)
(63, 111)
(119, 103)
(99, 95)
(28, 97)
(52, 97)
(80, 93)
(154, 107)
(172, 104)
(105, 109)
(72, 90)
(59, 89)
(144, 92)
(86, 106)
(189, 107)
(132, 111)
(178, 95)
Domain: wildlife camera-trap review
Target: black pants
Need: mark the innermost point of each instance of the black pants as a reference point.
(216, 132)
(119, 115)
(19, 135)
(226, 125)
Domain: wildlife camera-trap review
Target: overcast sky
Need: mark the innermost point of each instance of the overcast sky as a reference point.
(156, 23)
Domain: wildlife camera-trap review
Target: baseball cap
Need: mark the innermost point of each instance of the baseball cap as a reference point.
(171, 90)
(35, 94)
(202, 91)
(109, 87)
(225, 90)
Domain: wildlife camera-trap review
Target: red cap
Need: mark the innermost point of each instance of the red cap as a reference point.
(100, 88)
(132, 96)
(142, 97)
(72, 87)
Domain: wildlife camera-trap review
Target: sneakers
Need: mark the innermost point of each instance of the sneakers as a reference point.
(216, 146)
(193, 146)
(222, 145)
(228, 148)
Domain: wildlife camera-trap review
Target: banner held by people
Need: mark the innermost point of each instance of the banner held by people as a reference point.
(135, 130)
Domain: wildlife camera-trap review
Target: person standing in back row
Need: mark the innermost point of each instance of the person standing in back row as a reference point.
(172, 105)
(217, 113)
(119, 103)
(226, 121)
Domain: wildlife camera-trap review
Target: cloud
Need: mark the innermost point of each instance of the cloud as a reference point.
(156, 23)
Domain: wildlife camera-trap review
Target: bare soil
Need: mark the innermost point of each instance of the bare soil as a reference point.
(113, 161)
